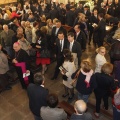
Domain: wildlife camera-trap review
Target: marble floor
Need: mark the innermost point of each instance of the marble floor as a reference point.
(14, 102)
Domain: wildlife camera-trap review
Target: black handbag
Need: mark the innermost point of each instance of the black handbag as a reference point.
(64, 77)
(45, 53)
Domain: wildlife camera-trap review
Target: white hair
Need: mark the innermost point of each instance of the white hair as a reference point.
(80, 106)
(4, 26)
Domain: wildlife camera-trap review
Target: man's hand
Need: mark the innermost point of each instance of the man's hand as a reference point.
(14, 61)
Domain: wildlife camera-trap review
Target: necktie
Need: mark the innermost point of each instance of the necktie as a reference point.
(61, 44)
(71, 47)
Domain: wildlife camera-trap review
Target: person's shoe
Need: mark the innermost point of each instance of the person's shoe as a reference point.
(53, 78)
(8, 88)
(65, 95)
(96, 115)
(71, 97)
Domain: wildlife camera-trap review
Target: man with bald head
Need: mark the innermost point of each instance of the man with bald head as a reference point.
(6, 39)
(80, 108)
(22, 58)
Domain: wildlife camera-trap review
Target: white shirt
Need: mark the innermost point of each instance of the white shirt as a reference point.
(61, 44)
(71, 45)
(56, 31)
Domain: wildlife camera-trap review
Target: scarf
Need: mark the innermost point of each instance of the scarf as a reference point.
(88, 76)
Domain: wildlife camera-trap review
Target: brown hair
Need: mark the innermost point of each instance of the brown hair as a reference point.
(68, 55)
(70, 34)
(107, 68)
(86, 65)
(43, 29)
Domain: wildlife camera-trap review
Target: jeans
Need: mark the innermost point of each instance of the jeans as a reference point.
(83, 97)
(116, 113)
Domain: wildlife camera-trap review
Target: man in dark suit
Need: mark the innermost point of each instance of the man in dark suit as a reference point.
(53, 13)
(117, 9)
(80, 37)
(62, 13)
(93, 19)
(79, 9)
(75, 48)
(102, 9)
(110, 9)
(86, 11)
(55, 32)
(61, 44)
(37, 95)
(70, 16)
(100, 30)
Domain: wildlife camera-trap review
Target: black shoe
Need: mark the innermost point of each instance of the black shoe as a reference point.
(8, 88)
(71, 97)
(65, 95)
(53, 78)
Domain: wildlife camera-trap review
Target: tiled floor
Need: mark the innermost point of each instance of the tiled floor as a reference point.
(14, 103)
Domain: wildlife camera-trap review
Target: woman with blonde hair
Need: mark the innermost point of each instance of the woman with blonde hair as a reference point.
(85, 82)
(28, 31)
(105, 82)
(49, 26)
(100, 58)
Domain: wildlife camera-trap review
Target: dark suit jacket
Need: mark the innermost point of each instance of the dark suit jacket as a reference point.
(37, 98)
(76, 49)
(88, 14)
(101, 29)
(53, 14)
(110, 10)
(102, 10)
(58, 47)
(54, 37)
(70, 17)
(81, 38)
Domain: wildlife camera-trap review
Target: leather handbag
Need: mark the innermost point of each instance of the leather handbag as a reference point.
(74, 81)
(45, 53)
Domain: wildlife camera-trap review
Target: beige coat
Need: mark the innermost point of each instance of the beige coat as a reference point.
(3, 63)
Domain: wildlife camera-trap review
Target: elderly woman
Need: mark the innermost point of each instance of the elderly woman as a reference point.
(100, 58)
(4, 84)
(85, 82)
(28, 32)
(25, 45)
(49, 26)
(105, 82)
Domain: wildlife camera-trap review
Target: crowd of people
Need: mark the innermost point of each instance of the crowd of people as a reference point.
(42, 32)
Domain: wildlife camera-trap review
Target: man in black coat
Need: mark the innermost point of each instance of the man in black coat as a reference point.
(61, 44)
(37, 95)
(55, 32)
(100, 30)
(110, 9)
(93, 19)
(70, 16)
(53, 13)
(74, 47)
(80, 37)
(62, 13)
